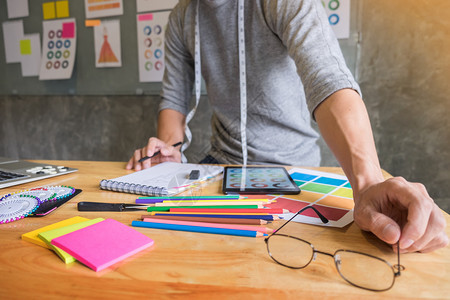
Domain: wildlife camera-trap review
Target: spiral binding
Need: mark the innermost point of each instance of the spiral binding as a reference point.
(131, 188)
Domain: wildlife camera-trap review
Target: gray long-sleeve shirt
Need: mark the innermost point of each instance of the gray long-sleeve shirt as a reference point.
(293, 63)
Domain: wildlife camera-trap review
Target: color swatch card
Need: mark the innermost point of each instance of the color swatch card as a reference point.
(33, 236)
(329, 193)
(103, 244)
(103, 8)
(58, 53)
(151, 29)
(107, 44)
(48, 236)
(149, 5)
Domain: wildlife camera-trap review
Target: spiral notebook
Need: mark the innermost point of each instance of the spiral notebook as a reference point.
(164, 179)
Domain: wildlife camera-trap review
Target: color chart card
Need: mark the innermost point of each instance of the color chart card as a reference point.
(58, 49)
(329, 193)
(338, 12)
(151, 28)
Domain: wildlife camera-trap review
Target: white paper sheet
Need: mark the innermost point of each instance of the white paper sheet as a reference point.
(12, 34)
(149, 5)
(103, 8)
(58, 49)
(338, 12)
(30, 63)
(107, 44)
(17, 8)
(150, 29)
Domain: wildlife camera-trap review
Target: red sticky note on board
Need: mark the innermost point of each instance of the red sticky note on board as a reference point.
(68, 30)
(103, 244)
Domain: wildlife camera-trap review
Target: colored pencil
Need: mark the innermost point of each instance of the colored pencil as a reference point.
(209, 220)
(215, 225)
(259, 217)
(208, 213)
(200, 203)
(198, 229)
(194, 196)
(230, 210)
(168, 208)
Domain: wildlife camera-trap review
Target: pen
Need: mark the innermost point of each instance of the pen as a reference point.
(158, 152)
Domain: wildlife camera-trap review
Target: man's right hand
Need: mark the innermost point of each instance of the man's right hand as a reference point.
(167, 153)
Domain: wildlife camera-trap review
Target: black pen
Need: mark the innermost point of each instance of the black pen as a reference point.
(158, 152)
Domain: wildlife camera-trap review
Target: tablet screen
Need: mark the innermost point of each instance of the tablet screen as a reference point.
(258, 180)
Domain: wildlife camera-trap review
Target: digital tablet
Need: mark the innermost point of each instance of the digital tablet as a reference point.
(258, 180)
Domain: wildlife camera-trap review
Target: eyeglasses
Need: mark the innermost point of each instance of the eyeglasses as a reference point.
(359, 269)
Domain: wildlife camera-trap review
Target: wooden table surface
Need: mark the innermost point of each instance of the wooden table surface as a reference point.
(196, 265)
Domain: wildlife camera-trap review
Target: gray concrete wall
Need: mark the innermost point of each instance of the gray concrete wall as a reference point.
(401, 61)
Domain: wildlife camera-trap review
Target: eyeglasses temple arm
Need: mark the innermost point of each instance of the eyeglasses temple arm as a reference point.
(322, 217)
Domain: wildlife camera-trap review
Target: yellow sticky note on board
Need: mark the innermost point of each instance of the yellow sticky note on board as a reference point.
(25, 47)
(62, 9)
(32, 236)
(48, 10)
(48, 236)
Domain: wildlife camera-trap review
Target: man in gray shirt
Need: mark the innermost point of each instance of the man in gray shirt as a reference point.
(294, 70)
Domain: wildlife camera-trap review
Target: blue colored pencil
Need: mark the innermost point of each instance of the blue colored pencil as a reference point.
(213, 230)
(259, 217)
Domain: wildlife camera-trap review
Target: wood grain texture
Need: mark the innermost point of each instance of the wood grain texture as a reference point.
(196, 265)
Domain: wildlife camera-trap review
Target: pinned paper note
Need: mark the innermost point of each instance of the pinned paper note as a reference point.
(25, 47)
(149, 5)
(31, 55)
(107, 44)
(58, 49)
(103, 8)
(151, 28)
(48, 10)
(17, 8)
(12, 35)
(62, 9)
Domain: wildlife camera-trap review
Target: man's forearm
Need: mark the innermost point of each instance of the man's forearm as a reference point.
(171, 126)
(345, 126)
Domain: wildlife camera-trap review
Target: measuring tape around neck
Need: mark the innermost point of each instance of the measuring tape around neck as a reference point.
(242, 81)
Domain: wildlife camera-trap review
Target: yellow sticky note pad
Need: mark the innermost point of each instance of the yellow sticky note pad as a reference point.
(62, 9)
(32, 236)
(25, 47)
(48, 236)
(48, 10)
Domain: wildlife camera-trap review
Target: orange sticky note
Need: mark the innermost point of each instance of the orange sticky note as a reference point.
(62, 9)
(92, 23)
(48, 10)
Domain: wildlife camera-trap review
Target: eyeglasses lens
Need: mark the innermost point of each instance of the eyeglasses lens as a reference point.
(364, 271)
(289, 251)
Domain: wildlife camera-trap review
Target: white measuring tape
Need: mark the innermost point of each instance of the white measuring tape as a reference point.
(242, 80)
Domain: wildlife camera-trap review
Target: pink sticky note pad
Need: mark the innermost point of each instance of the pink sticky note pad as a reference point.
(103, 244)
(68, 30)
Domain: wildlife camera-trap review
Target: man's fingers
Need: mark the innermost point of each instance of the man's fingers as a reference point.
(438, 242)
(379, 224)
(432, 236)
(419, 212)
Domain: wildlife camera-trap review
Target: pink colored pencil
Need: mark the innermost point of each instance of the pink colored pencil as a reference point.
(215, 225)
(232, 210)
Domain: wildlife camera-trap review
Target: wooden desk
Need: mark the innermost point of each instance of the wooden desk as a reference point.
(195, 265)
